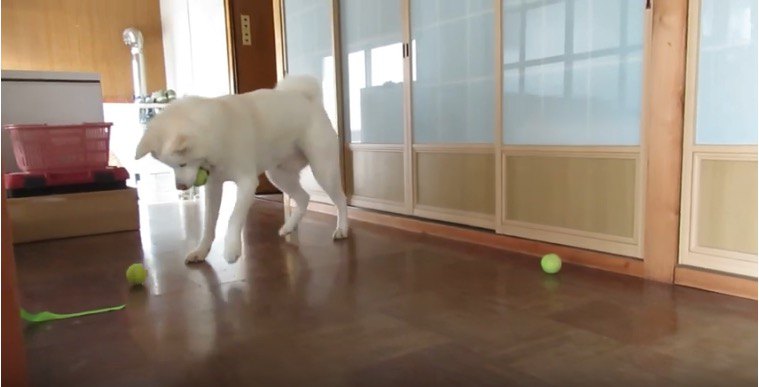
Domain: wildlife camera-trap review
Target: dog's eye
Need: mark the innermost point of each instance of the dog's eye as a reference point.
(182, 165)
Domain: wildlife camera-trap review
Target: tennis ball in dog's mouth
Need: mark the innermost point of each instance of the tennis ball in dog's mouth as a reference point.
(136, 274)
(551, 263)
(202, 177)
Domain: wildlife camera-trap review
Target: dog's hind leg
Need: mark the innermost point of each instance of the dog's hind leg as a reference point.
(322, 155)
(288, 181)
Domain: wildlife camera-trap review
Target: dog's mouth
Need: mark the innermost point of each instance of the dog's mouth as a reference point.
(204, 164)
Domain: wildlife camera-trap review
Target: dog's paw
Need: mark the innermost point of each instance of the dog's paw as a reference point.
(231, 257)
(340, 233)
(199, 255)
(232, 252)
(286, 229)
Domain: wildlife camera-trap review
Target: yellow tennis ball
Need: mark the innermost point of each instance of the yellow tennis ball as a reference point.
(201, 178)
(551, 263)
(136, 274)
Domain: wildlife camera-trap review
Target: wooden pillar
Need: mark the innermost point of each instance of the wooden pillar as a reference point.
(664, 137)
(337, 49)
(280, 50)
(14, 355)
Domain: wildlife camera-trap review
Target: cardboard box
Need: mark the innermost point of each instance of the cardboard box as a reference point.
(61, 216)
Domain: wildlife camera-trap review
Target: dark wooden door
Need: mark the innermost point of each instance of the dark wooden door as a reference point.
(254, 57)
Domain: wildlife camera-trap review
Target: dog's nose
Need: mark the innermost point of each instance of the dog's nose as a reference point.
(182, 187)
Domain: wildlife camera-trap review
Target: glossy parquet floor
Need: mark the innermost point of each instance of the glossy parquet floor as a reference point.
(383, 308)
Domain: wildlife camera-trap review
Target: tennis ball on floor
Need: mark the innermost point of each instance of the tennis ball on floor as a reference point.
(551, 263)
(201, 178)
(136, 274)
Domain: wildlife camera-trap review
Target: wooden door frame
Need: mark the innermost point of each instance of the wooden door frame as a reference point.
(231, 58)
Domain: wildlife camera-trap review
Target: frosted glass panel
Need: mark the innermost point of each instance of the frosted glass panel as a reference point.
(308, 32)
(308, 35)
(726, 108)
(373, 70)
(595, 25)
(544, 30)
(572, 72)
(452, 71)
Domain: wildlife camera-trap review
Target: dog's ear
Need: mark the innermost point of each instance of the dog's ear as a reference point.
(144, 147)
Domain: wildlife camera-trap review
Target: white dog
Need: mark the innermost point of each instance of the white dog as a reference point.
(236, 138)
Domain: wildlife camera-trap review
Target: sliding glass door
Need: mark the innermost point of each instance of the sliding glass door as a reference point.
(373, 102)
(719, 195)
(453, 109)
(308, 42)
(571, 126)
(521, 116)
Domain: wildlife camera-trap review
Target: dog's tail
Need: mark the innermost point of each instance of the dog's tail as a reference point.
(305, 84)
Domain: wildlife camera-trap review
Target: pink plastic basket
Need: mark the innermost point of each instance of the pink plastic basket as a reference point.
(60, 148)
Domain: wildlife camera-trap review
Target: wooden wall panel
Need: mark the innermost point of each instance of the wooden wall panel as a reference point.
(456, 181)
(590, 194)
(376, 175)
(83, 35)
(716, 282)
(727, 205)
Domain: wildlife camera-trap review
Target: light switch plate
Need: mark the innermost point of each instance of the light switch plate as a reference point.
(245, 29)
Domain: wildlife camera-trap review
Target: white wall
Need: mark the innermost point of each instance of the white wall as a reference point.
(195, 47)
(195, 51)
(56, 101)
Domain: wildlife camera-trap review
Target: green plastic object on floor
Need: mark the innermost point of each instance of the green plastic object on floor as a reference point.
(49, 316)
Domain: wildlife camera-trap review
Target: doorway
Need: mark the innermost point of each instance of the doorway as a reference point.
(252, 53)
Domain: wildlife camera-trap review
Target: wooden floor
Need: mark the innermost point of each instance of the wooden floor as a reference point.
(383, 308)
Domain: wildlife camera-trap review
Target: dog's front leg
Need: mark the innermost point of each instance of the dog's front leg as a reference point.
(213, 191)
(246, 191)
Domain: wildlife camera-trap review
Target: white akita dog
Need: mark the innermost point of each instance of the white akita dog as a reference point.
(236, 138)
